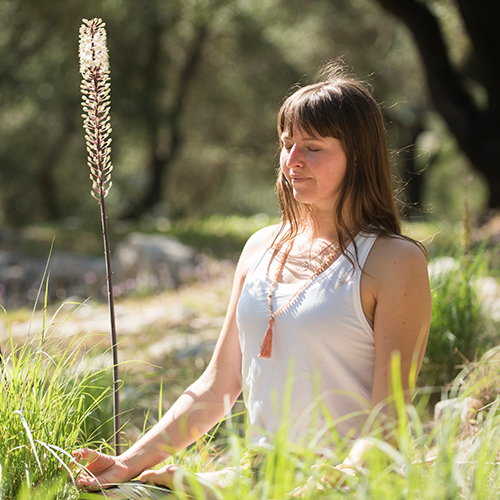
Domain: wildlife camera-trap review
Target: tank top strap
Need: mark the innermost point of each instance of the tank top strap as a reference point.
(364, 243)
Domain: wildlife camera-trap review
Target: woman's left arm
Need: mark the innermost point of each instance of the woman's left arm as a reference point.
(396, 297)
(396, 294)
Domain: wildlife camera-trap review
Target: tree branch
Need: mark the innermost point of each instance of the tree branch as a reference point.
(476, 130)
(161, 161)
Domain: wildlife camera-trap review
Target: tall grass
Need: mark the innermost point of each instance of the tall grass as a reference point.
(45, 408)
(423, 460)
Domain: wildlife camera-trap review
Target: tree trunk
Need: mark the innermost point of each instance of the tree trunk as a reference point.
(476, 128)
(163, 155)
(47, 183)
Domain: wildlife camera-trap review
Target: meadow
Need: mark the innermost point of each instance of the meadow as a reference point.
(56, 384)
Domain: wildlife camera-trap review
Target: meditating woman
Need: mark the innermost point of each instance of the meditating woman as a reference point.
(320, 302)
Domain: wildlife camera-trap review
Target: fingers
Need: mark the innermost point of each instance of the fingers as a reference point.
(91, 465)
(77, 464)
(93, 460)
(86, 481)
(161, 477)
(84, 455)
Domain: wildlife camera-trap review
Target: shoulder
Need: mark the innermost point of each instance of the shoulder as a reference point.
(262, 238)
(255, 246)
(395, 253)
(394, 261)
(395, 286)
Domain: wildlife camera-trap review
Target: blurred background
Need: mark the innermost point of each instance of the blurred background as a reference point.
(196, 85)
(195, 89)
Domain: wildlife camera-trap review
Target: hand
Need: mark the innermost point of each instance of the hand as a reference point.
(332, 476)
(163, 476)
(177, 478)
(100, 470)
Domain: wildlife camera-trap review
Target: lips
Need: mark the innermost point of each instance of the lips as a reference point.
(297, 179)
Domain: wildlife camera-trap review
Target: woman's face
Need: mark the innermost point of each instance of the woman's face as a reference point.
(315, 167)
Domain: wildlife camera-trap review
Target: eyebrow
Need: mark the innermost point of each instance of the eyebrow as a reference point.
(287, 135)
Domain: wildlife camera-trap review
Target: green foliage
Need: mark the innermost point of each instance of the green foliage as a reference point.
(461, 329)
(222, 236)
(45, 410)
(225, 119)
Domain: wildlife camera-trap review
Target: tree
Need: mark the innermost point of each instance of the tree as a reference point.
(195, 91)
(466, 93)
(164, 119)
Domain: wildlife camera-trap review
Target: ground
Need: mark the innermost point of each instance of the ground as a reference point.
(164, 340)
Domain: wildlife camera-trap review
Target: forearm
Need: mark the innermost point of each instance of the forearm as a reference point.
(196, 411)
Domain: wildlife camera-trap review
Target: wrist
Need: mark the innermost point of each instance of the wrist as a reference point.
(138, 459)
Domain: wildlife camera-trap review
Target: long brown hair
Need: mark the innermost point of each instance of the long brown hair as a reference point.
(343, 108)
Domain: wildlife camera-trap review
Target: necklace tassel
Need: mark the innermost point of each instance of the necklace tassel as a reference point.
(266, 345)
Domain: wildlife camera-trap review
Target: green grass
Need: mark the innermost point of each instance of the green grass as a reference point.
(50, 404)
(461, 328)
(46, 410)
(450, 459)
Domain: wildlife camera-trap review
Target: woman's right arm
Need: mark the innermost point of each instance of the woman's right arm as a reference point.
(196, 411)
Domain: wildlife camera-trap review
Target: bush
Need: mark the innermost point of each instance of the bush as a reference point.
(461, 327)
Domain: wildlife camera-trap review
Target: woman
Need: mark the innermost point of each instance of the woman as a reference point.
(320, 303)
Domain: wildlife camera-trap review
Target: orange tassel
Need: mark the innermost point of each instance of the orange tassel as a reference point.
(266, 345)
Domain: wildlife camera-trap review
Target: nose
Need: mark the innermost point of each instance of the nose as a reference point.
(294, 156)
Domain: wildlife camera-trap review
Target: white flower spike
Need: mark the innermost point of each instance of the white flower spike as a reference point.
(95, 87)
(94, 67)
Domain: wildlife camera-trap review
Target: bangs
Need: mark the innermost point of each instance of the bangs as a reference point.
(312, 110)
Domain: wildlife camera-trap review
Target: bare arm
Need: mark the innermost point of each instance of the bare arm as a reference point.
(196, 411)
(396, 297)
(402, 312)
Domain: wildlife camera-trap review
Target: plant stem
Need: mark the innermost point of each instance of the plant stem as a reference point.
(114, 346)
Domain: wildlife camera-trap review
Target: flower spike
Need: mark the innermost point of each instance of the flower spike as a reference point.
(95, 88)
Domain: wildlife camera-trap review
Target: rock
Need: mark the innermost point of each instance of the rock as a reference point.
(154, 261)
(68, 274)
(140, 262)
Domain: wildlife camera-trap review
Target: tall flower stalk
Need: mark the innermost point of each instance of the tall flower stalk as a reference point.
(95, 87)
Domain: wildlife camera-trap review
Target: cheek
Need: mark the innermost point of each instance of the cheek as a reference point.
(283, 162)
(282, 156)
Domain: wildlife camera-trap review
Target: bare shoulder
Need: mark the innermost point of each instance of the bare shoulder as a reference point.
(262, 237)
(394, 276)
(256, 244)
(395, 255)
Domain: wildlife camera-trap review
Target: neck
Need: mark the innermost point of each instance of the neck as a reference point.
(320, 225)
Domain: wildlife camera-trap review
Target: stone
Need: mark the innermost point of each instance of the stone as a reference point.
(154, 261)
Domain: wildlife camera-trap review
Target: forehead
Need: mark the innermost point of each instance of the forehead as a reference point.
(297, 131)
(310, 117)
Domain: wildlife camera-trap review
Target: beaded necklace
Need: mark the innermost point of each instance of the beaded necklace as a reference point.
(266, 345)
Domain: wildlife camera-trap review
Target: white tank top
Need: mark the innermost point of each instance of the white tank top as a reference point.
(319, 378)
